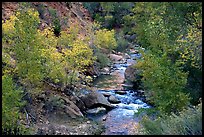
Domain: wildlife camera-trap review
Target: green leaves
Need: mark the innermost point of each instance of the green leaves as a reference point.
(10, 103)
(173, 50)
(187, 122)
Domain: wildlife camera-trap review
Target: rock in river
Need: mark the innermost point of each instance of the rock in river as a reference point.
(121, 92)
(115, 57)
(95, 99)
(106, 94)
(113, 99)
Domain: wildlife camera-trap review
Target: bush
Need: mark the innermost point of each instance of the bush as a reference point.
(122, 43)
(109, 21)
(102, 59)
(11, 105)
(105, 39)
(187, 122)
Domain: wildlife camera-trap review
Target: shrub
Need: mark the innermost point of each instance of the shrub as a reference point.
(63, 65)
(169, 68)
(187, 122)
(105, 39)
(122, 43)
(102, 59)
(109, 21)
(11, 104)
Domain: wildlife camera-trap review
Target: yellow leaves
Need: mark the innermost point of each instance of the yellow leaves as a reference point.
(31, 12)
(80, 55)
(105, 39)
(96, 25)
(48, 38)
(65, 39)
(8, 26)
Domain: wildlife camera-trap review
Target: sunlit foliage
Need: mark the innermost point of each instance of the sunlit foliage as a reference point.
(105, 39)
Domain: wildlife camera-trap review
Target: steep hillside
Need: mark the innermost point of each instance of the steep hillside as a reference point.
(37, 115)
(68, 14)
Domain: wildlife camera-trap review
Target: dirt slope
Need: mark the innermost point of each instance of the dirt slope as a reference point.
(69, 14)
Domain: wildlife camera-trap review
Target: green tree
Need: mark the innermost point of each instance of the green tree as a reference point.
(27, 47)
(171, 35)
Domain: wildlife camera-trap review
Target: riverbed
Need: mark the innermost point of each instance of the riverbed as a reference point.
(121, 120)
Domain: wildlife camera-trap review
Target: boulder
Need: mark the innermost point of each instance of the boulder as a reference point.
(133, 51)
(95, 99)
(132, 37)
(79, 103)
(127, 36)
(133, 75)
(126, 56)
(140, 91)
(115, 57)
(121, 92)
(71, 109)
(96, 110)
(113, 99)
(120, 53)
(105, 71)
(128, 86)
(130, 73)
(106, 94)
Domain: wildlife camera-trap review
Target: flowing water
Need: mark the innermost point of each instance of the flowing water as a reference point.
(122, 119)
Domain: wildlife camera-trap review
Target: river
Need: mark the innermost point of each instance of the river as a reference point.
(122, 119)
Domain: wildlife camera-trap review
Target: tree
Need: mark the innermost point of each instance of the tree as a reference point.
(27, 47)
(168, 65)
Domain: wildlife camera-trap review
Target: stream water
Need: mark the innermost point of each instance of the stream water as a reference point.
(122, 119)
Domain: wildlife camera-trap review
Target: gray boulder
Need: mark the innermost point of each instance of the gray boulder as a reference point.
(130, 73)
(71, 109)
(105, 71)
(79, 103)
(133, 75)
(95, 99)
(106, 94)
(96, 110)
(132, 37)
(113, 99)
(127, 56)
